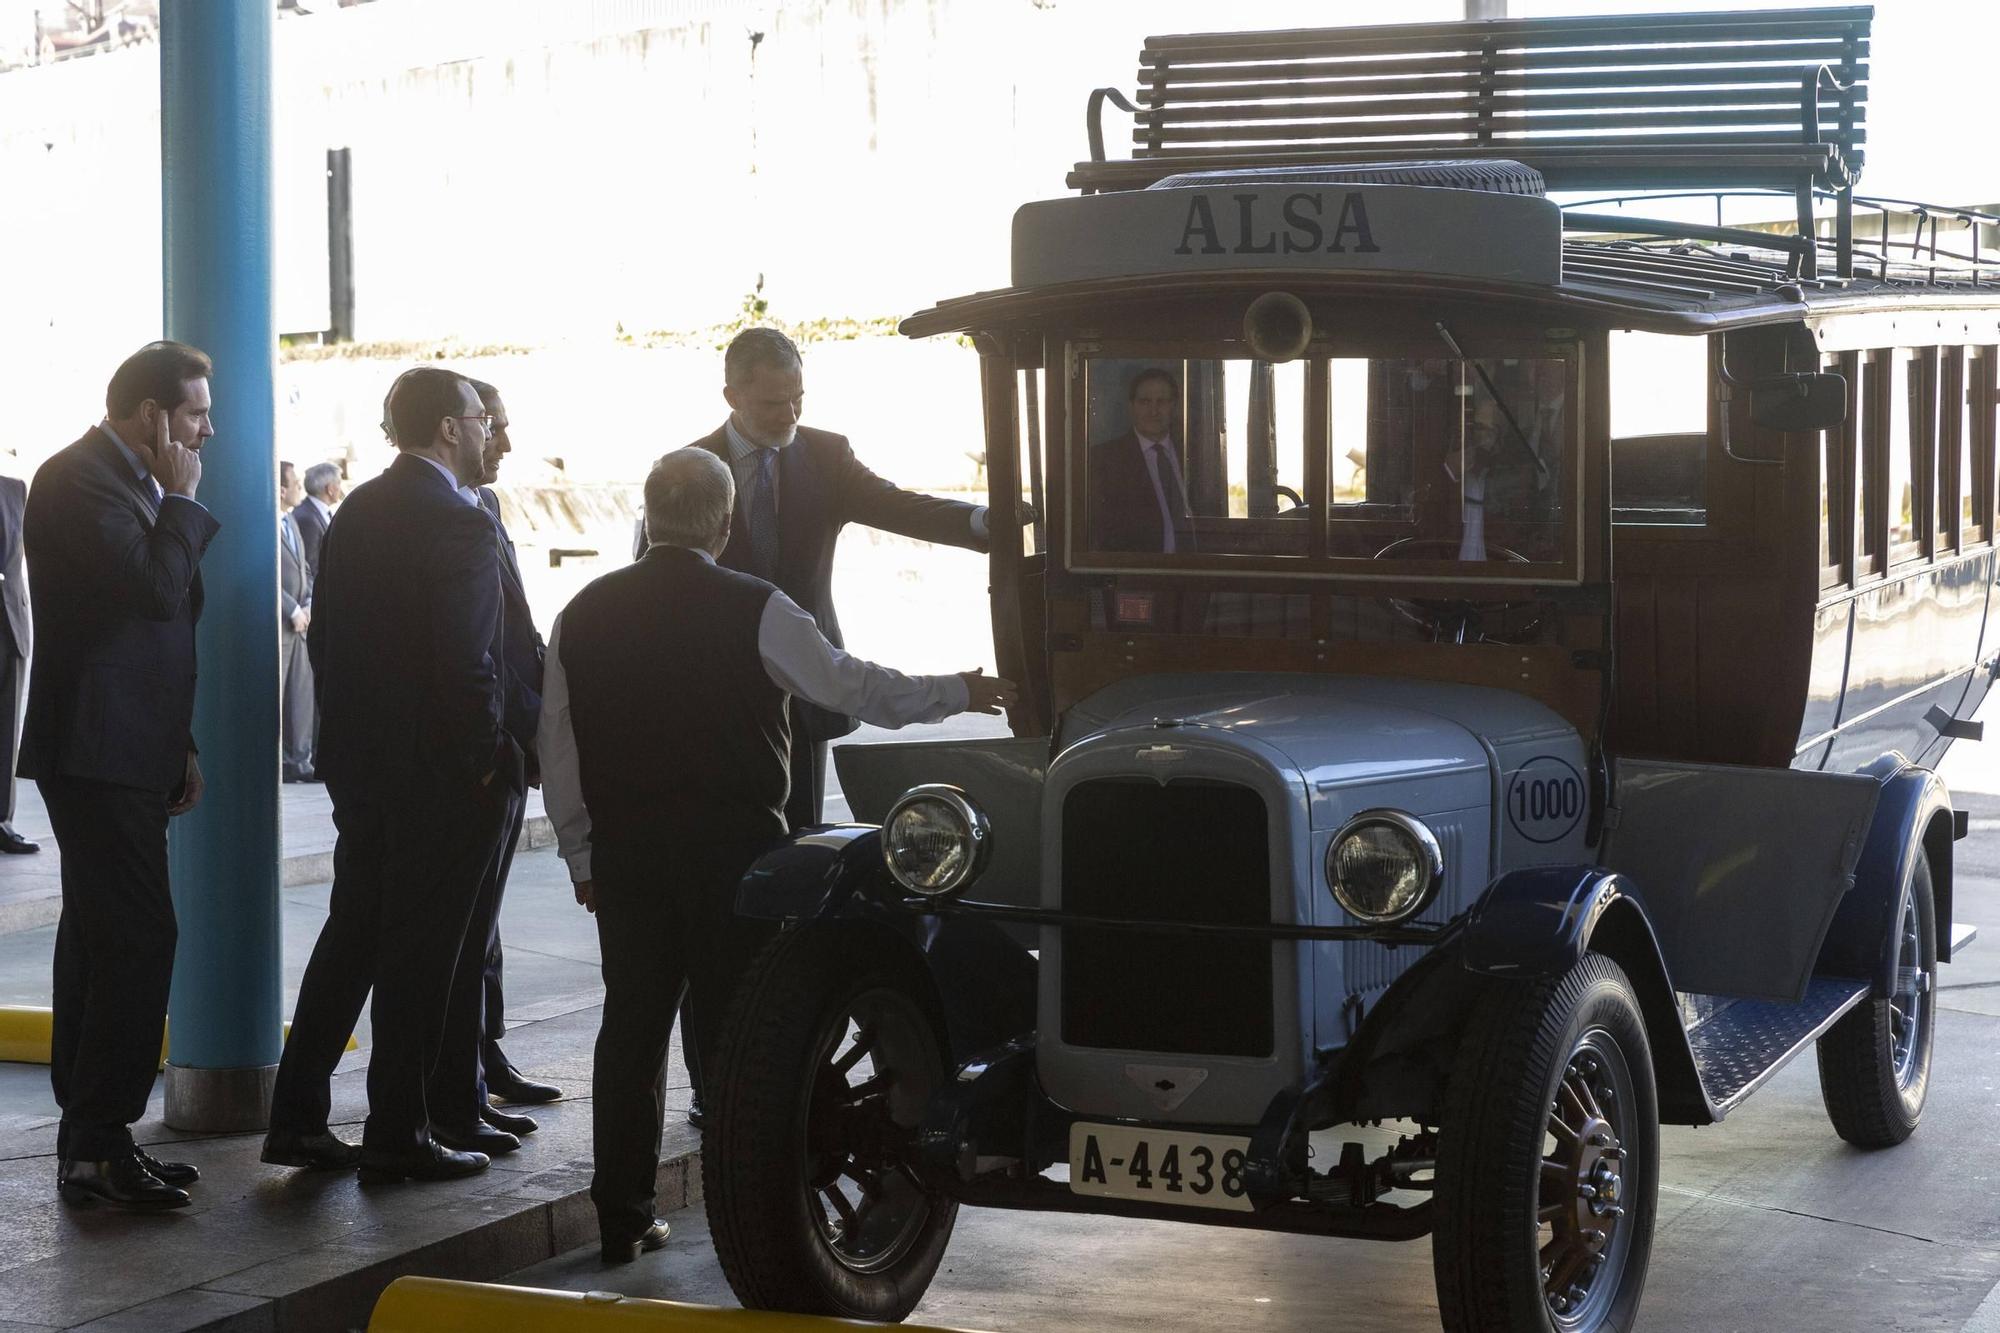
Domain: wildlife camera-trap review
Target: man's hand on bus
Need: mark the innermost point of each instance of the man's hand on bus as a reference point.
(986, 694)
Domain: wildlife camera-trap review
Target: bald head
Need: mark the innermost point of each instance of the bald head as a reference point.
(690, 495)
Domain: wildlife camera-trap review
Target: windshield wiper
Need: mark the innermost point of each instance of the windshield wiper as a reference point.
(1493, 392)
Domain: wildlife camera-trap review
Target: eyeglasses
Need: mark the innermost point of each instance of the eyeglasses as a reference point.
(483, 418)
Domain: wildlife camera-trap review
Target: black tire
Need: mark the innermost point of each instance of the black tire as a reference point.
(1511, 1192)
(826, 1002)
(1874, 1070)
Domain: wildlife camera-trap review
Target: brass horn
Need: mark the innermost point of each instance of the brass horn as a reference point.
(1278, 326)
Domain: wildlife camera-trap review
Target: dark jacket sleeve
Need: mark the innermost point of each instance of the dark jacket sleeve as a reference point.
(873, 502)
(465, 625)
(110, 548)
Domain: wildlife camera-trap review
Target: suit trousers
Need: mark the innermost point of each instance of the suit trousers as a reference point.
(457, 1088)
(13, 684)
(408, 863)
(114, 959)
(665, 920)
(493, 1001)
(295, 700)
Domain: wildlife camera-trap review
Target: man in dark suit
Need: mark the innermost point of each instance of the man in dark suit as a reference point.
(115, 536)
(295, 685)
(404, 643)
(315, 512)
(1138, 497)
(796, 488)
(471, 1064)
(16, 642)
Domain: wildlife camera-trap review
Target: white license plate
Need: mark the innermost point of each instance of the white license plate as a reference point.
(1159, 1166)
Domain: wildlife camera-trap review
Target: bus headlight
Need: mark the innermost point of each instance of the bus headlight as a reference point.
(935, 840)
(1384, 867)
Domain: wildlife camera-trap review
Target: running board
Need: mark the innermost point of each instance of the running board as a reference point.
(1962, 934)
(1739, 1045)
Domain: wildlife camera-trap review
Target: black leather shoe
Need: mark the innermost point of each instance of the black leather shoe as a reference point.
(317, 1151)
(696, 1116)
(170, 1173)
(121, 1182)
(433, 1161)
(511, 1087)
(518, 1125)
(476, 1138)
(14, 844)
(652, 1238)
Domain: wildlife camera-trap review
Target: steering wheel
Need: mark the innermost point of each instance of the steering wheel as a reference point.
(1456, 619)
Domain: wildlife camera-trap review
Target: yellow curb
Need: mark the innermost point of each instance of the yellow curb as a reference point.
(435, 1305)
(27, 1032)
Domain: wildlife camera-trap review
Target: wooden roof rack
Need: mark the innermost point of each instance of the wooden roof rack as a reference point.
(1768, 99)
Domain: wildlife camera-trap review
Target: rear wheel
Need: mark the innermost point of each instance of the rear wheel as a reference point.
(834, 1050)
(1548, 1159)
(1875, 1063)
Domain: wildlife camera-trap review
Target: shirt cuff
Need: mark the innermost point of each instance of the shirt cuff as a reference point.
(579, 866)
(979, 530)
(957, 694)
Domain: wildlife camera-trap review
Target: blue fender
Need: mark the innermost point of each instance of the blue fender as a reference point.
(984, 980)
(1540, 922)
(1913, 818)
(813, 874)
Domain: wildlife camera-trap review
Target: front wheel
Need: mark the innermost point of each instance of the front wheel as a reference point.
(1875, 1063)
(1548, 1159)
(834, 1049)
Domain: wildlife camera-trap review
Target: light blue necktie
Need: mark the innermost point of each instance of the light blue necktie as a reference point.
(763, 515)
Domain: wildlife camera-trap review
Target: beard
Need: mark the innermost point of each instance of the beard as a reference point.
(763, 441)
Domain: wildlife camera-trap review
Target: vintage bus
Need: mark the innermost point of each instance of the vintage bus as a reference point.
(1481, 659)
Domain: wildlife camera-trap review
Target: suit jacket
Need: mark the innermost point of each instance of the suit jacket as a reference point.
(294, 584)
(521, 644)
(17, 636)
(1124, 508)
(312, 531)
(117, 593)
(822, 487)
(406, 616)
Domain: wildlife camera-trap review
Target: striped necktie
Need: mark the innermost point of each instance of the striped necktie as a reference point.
(763, 515)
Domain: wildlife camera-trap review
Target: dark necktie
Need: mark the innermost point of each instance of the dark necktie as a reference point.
(763, 515)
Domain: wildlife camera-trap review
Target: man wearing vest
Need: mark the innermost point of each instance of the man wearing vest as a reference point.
(666, 764)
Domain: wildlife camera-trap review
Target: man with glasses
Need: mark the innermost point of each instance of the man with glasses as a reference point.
(405, 645)
(472, 1064)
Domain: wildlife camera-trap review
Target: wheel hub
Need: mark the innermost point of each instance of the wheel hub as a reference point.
(1583, 1186)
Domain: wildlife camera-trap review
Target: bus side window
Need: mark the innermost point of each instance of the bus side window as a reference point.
(1659, 429)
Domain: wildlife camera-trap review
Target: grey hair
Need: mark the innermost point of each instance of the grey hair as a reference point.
(320, 476)
(689, 496)
(753, 349)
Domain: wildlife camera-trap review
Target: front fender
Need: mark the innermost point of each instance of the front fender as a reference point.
(1913, 818)
(814, 874)
(984, 979)
(1540, 922)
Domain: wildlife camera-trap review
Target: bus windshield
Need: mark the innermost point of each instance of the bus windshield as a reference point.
(1460, 461)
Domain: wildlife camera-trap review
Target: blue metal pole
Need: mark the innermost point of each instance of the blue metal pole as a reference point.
(215, 169)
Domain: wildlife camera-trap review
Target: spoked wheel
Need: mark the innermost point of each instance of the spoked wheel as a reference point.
(834, 1050)
(1548, 1160)
(860, 1126)
(1875, 1063)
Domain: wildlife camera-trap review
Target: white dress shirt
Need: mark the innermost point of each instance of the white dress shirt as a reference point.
(797, 658)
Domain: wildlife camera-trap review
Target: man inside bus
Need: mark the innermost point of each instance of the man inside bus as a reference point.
(1138, 495)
